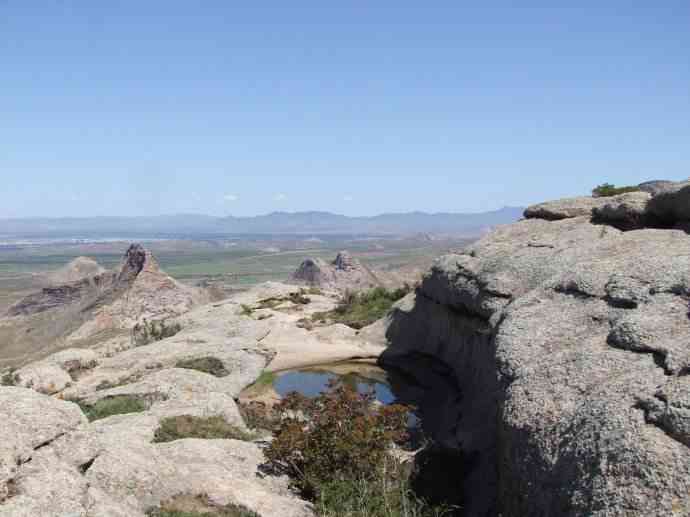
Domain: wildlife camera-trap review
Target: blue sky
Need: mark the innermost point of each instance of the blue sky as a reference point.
(357, 107)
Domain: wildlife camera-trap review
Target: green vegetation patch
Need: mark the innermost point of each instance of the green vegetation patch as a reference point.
(264, 382)
(115, 405)
(210, 365)
(357, 310)
(210, 428)
(9, 378)
(265, 379)
(199, 506)
(608, 190)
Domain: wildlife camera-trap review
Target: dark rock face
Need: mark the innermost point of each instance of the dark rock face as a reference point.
(570, 345)
(310, 272)
(344, 261)
(133, 263)
(672, 206)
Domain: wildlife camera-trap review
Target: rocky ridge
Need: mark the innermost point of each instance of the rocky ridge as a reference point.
(53, 462)
(564, 346)
(94, 308)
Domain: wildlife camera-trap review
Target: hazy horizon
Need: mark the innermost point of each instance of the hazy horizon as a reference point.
(266, 214)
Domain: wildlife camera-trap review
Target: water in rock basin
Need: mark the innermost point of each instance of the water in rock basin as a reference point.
(365, 378)
(312, 382)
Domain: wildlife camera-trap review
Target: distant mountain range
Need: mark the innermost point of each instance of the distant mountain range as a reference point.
(273, 223)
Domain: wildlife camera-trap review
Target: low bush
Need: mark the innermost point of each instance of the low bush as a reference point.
(116, 405)
(210, 365)
(9, 378)
(337, 450)
(207, 428)
(608, 190)
(346, 439)
(357, 310)
(148, 332)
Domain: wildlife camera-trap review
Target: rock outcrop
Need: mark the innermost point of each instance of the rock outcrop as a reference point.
(558, 352)
(344, 273)
(657, 204)
(78, 269)
(87, 311)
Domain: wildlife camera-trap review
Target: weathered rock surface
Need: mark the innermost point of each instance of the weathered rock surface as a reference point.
(565, 208)
(29, 421)
(559, 352)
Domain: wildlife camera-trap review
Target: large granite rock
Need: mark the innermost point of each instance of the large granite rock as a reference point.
(565, 348)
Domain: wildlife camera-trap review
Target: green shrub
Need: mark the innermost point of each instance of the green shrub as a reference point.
(210, 365)
(346, 439)
(246, 310)
(299, 298)
(115, 405)
(357, 310)
(336, 448)
(148, 332)
(210, 428)
(608, 190)
(9, 378)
